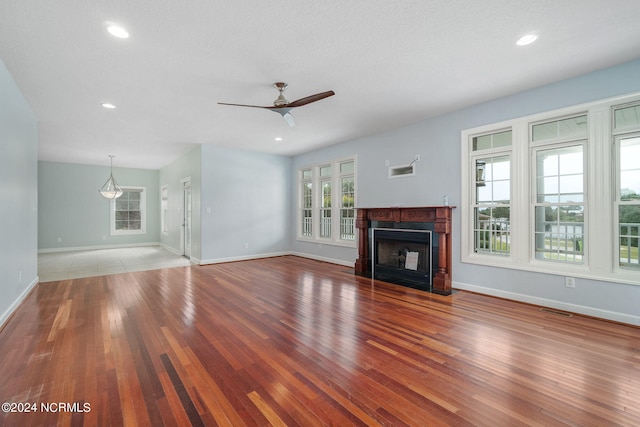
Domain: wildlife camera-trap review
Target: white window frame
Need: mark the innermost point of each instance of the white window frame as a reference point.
(601, 236)
(618, 135)
(143, 213)
(504, 151)
(316, 187)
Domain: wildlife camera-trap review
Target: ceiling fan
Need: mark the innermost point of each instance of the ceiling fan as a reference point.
(283, 107)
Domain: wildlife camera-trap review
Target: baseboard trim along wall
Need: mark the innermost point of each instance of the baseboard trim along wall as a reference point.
(9, 311)
(92, 248)
(325, 259)
(171, 249)
(239, 258)
(274, 254)
(558, 305)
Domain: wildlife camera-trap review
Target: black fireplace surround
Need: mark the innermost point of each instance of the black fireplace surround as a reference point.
(402, 256)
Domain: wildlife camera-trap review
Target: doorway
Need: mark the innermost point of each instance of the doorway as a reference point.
(185, 240)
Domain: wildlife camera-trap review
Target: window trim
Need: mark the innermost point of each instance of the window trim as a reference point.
(143, 213)
(617, 197)
(316, 205)
(600, 260)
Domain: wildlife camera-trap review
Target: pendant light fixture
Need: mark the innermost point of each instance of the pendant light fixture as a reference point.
(111, 189)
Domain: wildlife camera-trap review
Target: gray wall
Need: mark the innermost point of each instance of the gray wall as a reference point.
(18, 196)
(245, 199)
(438, 173)
(187, 166)
(70, 207)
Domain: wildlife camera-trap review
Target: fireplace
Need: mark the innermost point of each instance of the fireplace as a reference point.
(436, 219)
(402, 256)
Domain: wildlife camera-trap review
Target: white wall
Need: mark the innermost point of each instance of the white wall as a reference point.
(18, 196)
(245, 201)
(71, 208)
(438, 173)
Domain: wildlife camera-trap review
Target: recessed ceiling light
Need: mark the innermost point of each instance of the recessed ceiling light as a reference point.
(277, 138)
(107, 105)
(118, 31)
(527, 39)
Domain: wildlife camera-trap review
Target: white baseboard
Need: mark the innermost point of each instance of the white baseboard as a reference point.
(238, 258)
(171, 249)
(274, 254)
(325, 259)
(91, 248)
(558, 305)
(5, 316)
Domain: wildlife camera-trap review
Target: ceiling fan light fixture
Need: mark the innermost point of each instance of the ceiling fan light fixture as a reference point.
(527, 39)
(118, 31)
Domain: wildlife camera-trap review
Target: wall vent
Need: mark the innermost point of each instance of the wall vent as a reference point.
(556, 312)
(399, 171)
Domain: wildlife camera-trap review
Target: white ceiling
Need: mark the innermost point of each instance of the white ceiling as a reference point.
(390, 62)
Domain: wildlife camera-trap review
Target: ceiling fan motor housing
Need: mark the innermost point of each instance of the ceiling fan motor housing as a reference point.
(281, 100)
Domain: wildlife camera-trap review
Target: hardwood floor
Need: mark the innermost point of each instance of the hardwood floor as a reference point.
(291, 341)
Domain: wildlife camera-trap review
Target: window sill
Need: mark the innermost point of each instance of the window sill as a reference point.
(559, 269)
(127, 233)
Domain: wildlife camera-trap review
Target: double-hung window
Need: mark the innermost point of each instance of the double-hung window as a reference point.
(347, 201)
(128, 212)
(327, 203)
(306, 209)
(559, 207)
(626, 130)
(491, 160)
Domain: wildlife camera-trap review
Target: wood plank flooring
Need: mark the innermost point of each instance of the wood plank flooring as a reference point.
(288, 341)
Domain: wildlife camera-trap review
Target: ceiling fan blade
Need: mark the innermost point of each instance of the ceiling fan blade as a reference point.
(243, 105)
(289, 119)
(311, 98)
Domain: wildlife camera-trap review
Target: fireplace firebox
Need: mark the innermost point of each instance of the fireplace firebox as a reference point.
(402, 256)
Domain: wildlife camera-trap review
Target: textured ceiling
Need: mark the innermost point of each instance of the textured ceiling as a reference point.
(391, 63)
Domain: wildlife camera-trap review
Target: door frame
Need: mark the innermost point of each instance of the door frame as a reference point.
(183, 212)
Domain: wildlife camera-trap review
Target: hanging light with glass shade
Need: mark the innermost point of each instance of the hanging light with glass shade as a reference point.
(111, 189)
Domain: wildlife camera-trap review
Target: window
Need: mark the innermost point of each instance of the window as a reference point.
(556, 192)
(128, 212)
(164, 209)
(347, 201)
(307, 203)
(491, 201)
(627, 197)
(559, 207)
(327, 203)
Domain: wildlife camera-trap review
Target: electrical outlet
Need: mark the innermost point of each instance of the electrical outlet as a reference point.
(104, 237)
(570, 282)
(246, 246)
(59, 239)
